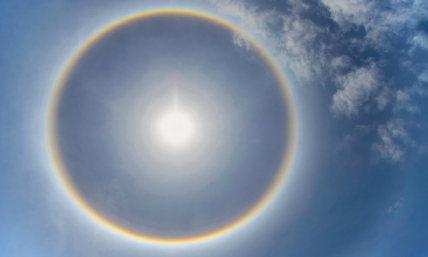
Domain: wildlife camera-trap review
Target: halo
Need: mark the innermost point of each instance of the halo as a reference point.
(60, 169)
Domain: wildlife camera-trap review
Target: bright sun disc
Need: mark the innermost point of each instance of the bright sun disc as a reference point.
(175, 127)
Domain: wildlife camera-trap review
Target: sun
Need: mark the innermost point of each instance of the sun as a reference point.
(175, 128)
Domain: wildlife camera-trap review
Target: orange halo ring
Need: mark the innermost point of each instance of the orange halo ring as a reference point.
(60, 170)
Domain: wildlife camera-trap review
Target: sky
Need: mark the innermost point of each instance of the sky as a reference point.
(357, 81)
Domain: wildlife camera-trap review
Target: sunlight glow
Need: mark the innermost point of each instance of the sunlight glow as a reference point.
(176, 128)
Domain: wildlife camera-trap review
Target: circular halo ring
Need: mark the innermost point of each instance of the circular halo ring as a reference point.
(60, 169)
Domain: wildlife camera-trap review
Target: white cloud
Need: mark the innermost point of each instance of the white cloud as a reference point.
(420, 87)
(383, 98)
(298, 47)
(404, 102)
(355, 90)
(315, 54)
(351, 11)
(249, 19)
(394, 208)
(241, 41)
(423, 76)
(381, 23)
(393, 139)
(420, 40)
(395, 127)
(387, 149)
(293, 45)
(340, 63)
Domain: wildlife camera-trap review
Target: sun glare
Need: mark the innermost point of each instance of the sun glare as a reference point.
(176, 128)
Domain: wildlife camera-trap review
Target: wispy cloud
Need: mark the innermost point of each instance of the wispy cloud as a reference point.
(423, 77)
(293, 44)
(350, 12)
(395, 207)
(393, 139)
(356, 88)
(310, 50)
(384, 98)
(404, 102)
(382, 22)
(420, 40)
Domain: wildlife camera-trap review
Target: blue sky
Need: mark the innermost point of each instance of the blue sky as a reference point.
(359, 77)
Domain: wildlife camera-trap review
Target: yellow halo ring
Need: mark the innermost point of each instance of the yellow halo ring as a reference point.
(60, 170)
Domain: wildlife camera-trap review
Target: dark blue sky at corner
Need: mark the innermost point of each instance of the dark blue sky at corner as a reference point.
(359, 78)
